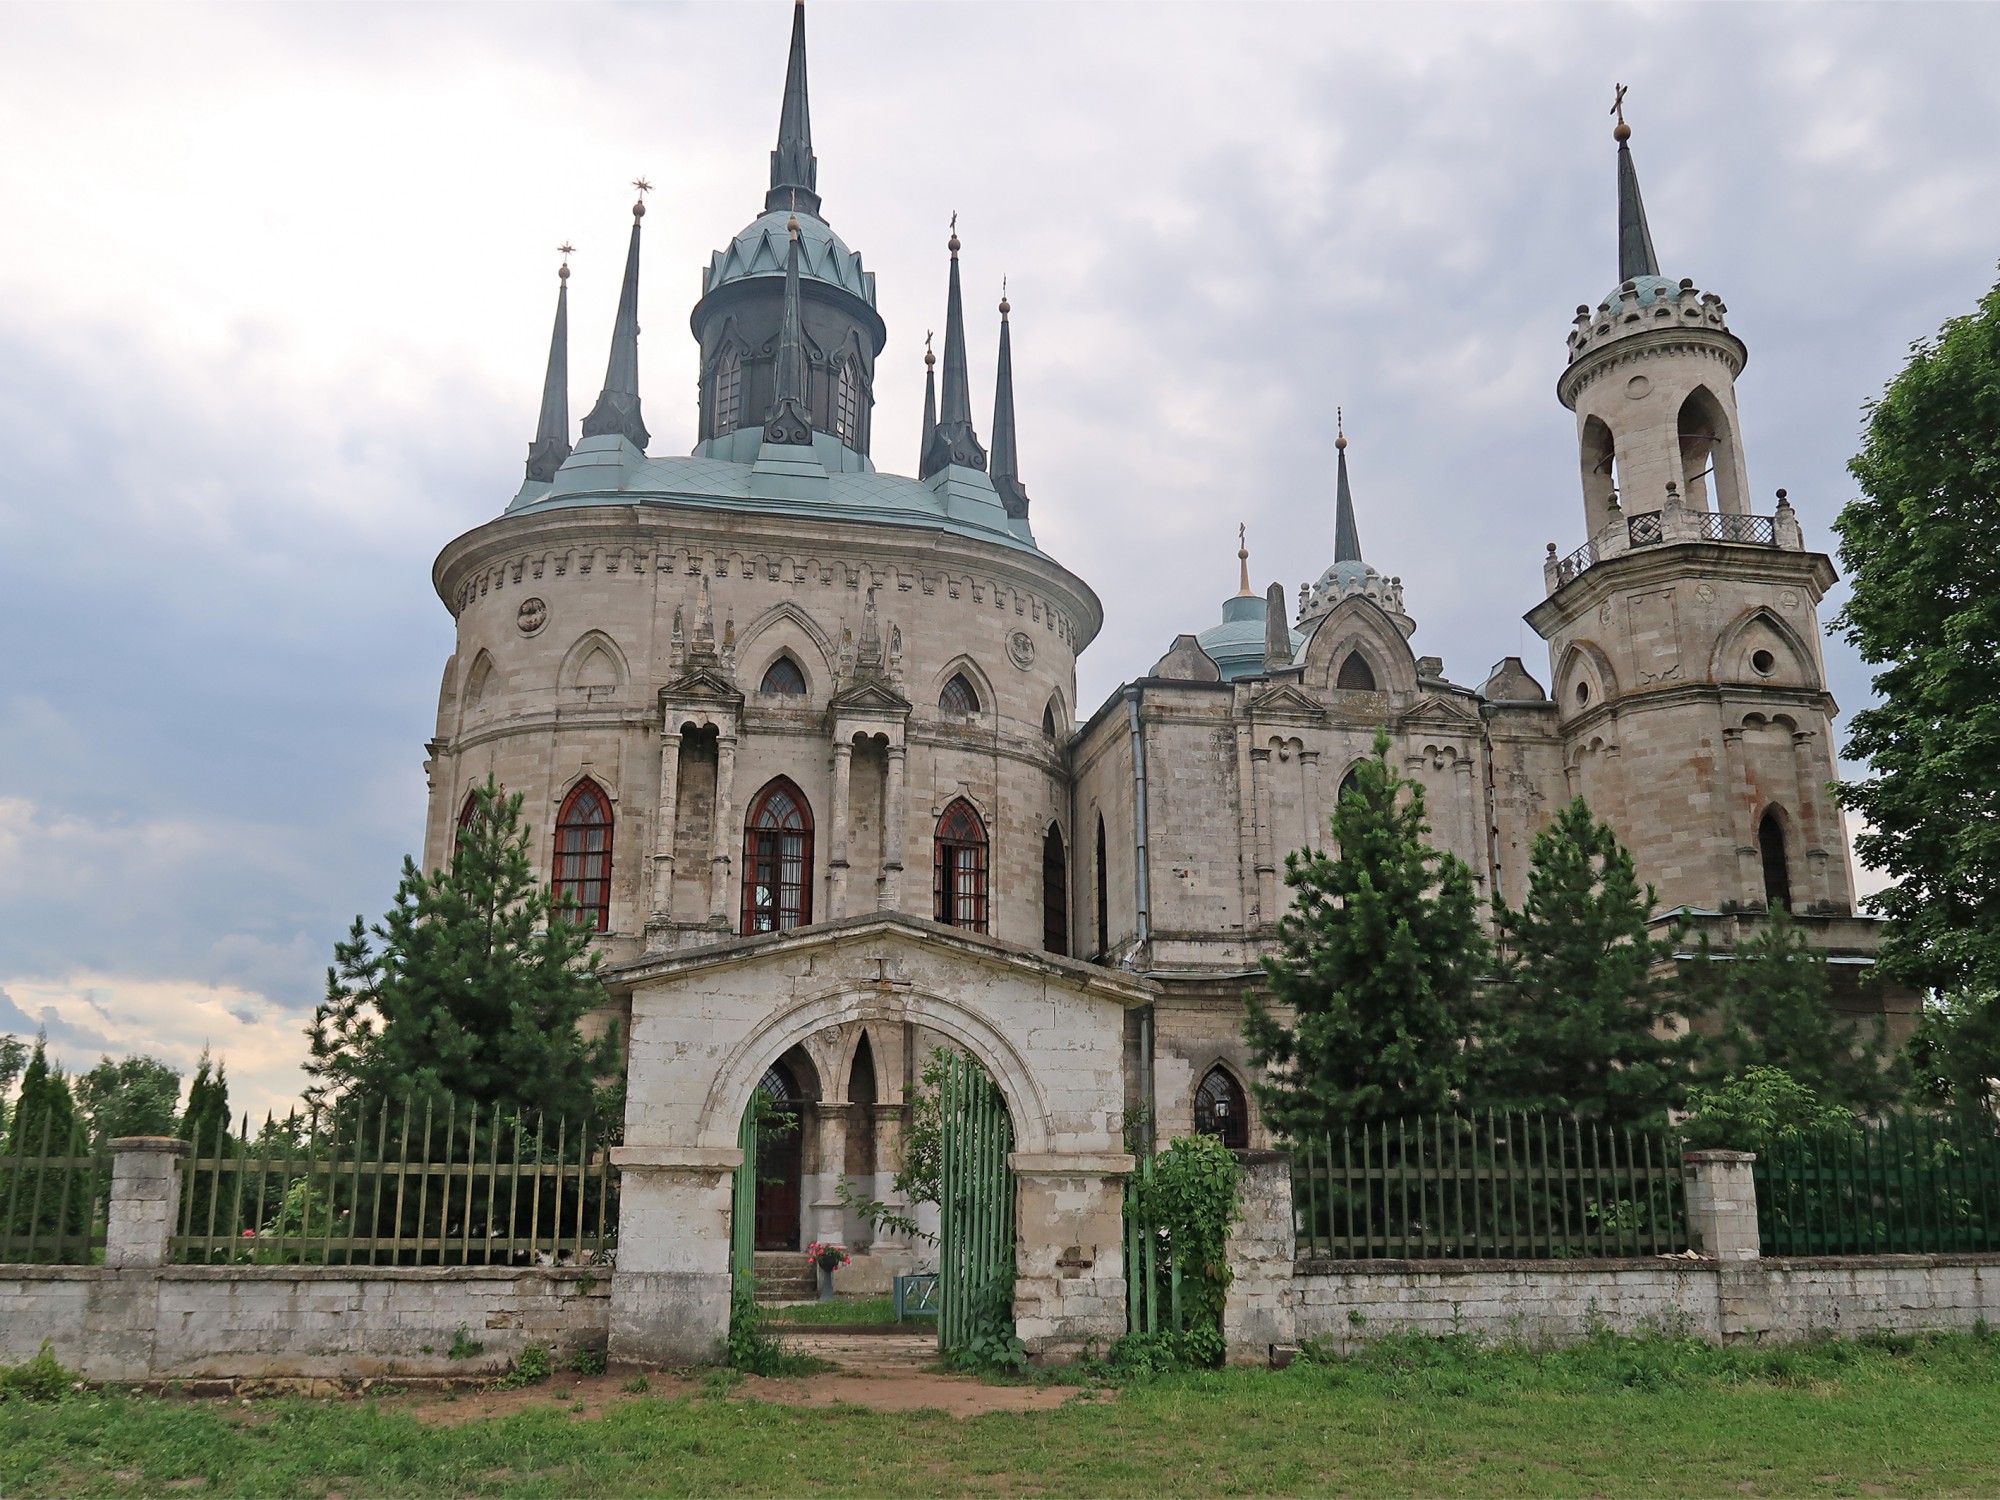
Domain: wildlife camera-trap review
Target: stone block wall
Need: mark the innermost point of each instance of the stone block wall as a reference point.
(268, 1322)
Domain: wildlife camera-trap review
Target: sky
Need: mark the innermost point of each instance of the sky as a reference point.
(275, 288)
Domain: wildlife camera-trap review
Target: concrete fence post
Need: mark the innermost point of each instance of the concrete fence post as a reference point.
(145, 1200)
(1722, 1205)
(1258, 1310)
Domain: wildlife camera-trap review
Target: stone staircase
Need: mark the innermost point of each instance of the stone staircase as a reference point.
(784, 1276)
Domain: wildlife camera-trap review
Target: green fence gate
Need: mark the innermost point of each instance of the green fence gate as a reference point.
(743, 1211)
(975, 1206)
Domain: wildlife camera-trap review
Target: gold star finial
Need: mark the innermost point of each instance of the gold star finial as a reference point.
(644, 187)
(565, 250)
(1621, 131)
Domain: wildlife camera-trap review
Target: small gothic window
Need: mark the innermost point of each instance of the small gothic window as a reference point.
(1356, 674)
(1055, 893)
(728, 391)
(1049, 719)
(1103, 894)
(583, 855)
(959, 700)
(777, 860)
(1351, 782)
(1777, 869)
(1220, 1109)
(784, 678)
(961, 868)
(847, 405)
(464, 820)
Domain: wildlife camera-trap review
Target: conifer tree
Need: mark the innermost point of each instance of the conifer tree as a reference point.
(1771, 1000)
(1955, 1054)
(206, 1119)
(475, 992)
(1576, 1023)
(1376, 966)
(13, 1057)
(44, 1123)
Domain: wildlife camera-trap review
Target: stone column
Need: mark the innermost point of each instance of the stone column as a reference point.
(145, 1201)
(722, 841)
(1468, 807)
(888, 1152)
(836, 864)
(1749, 872)
(1722, 1205)
(1319, 833)
(1812, 848)
(892, 831)
(663, 833)
(829, 1214)
(1267, 871)
(1069, 1256)
(671, 1283)
(1257, 1310)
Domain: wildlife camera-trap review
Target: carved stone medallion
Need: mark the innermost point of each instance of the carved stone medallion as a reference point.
(531, 616)
(1021, 647)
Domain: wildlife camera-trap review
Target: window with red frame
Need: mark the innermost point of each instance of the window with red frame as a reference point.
(464, 820)
(777, 860)
(961, 868)
(583, 855)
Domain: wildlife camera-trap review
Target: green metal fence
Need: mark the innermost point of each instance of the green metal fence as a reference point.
(53, 1194)
(405, 1184)
(975, 1206)
(1498, 1185)
(1149, 1262)
(1908, 1184)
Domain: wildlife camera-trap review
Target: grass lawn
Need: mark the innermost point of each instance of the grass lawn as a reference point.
(851, 1311)
(1615, 1417)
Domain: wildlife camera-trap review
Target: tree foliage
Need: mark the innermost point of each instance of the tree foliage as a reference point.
(1955, 1053)
(1756, 1109)
(1372, 985)
(471, 987)
(133, 1095)
(1771, 1001)
(1921, 549)
(206, 1119)
(13, 1057)
(1575, 1022)
(44, 1124)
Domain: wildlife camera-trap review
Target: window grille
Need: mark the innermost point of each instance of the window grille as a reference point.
(961, 868)
(784, 679)
(777, 861)
(583, 855)
(959, 700)
(847, 405)
(1220, 1109)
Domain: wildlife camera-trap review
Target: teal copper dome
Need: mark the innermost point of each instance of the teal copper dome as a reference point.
(760, 251)
(1236, 646)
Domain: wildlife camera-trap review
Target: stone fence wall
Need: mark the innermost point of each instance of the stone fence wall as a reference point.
(266, 1322)
(1723, 1290)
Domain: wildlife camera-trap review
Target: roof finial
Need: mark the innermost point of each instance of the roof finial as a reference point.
(617, 411)
(1346, 535)
(1243, 562)
(551, 445)
(929, 357)
(644, 187)
(793, 165)
(1635, 240)
(952, 243)
(1339, 429)
(1621, 131)
(930, 405)
(954, 441)
(1006, 464)
(788, 423)
(565, 250)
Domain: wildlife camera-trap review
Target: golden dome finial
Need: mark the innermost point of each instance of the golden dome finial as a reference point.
(952, 243)
(1339, 429)
(1621, 132)
(1243, 562)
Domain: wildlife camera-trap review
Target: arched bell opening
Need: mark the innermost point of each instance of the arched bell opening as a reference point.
(1708, 455)
(1776, 861)
(1599, 459)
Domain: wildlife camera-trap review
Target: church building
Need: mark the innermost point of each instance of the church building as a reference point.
(801, 738)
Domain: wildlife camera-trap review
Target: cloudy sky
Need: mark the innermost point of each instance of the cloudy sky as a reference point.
(274, 293)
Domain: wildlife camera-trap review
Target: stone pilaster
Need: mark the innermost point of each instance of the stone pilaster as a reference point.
(145, 1201)
(1069, 1233)
(722, 892)
(663, 830)
(1258, 1310)
(836, 865)
(1722, 1205)
(829, 1222)
(892, 831)
(670, 1287)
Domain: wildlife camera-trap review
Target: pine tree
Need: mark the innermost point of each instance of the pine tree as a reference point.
(130, 1096)
(1376, 966)
(1955, 1054)
(1576, 1023)
(13, 1057)
(205, 1121)
(1771, 1001)
(475, 993)
(44, 1124)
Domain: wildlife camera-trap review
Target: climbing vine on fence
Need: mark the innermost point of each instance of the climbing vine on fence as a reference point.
(1189, 1199)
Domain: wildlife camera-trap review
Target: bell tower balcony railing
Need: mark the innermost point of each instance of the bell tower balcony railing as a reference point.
(1674, 523)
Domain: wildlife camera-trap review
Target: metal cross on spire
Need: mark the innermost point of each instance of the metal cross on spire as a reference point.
(1618, 104)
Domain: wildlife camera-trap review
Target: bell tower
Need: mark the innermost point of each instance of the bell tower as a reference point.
(1684, 633)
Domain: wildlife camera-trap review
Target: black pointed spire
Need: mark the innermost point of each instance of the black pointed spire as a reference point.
(954, 441)
(930, 404)
(1346, 535)
(1006, 461)
(551, 444)
(1635, 240)
(617, 411)
(794, 168)
(787, 422)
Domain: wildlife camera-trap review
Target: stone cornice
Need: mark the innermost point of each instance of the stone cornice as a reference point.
(1713, 343)
(1676, 562)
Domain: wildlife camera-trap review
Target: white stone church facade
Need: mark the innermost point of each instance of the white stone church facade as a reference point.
(802, 739)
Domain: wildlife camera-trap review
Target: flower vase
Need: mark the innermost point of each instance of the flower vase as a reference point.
(825, 1274)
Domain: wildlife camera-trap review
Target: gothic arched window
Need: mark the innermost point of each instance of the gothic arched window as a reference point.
(1351, 782)
(777, 860)
(1055, 893)
(959, 700)
(1777, 869)
(1049, 719)
(784, 679)
(583, 855)
(464, 820)
(728, 405)
(961, 868)
(1355, 674)
(847, 405)
(779, 1159)
(1220, 1109)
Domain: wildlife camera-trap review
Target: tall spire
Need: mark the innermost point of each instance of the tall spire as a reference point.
(617, 411)
(788, 422)
(954, 441)
(551, 444)
(1635, 240)
(1346, 535)
(1243, 590)
(930, 402)
(794, 168)
(1006, 462)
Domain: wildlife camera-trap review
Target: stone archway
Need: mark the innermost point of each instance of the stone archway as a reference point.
(707, 1024)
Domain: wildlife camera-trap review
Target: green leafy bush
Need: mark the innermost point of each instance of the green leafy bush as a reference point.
(42, 1378)
(534, 1365)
